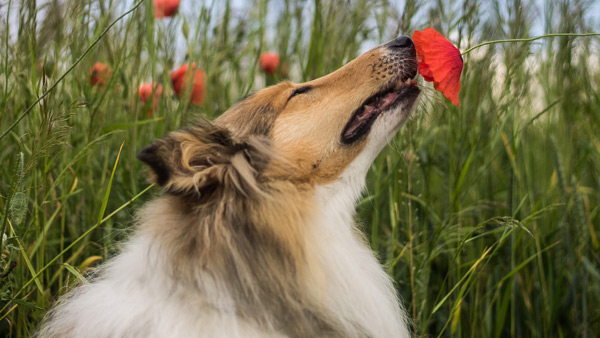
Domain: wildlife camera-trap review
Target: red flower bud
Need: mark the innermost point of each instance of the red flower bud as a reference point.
(165, 8)
(439, 62)
(268, 62)
(145, 92)
(180, 82)
(99, 74)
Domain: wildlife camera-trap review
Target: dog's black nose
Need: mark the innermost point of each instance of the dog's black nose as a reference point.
(401, 42)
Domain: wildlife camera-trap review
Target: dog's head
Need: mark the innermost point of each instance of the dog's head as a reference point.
(317, 128)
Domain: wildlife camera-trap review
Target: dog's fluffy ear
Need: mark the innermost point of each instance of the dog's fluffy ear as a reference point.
(205, 158)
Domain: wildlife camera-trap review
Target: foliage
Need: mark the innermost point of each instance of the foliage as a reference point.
(486, 215)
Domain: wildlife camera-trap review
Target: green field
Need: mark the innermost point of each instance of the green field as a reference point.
(487, 215)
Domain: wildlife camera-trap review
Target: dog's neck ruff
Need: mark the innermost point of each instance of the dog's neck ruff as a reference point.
(255, 234)
(360, 288)
(346, 293)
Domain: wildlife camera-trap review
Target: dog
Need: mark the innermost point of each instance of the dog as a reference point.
(254, 235)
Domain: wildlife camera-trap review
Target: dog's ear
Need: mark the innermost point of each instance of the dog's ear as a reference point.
(153, 155)
(206, 158)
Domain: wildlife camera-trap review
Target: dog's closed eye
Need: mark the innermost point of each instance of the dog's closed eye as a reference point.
(300, 90)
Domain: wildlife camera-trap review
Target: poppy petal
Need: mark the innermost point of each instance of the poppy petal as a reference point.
(165, 8)
(425, 71)
(180, 79)
(268, 62)
(439, 62)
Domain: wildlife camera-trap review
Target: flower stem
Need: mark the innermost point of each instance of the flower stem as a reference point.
(527, 39)
(81, 57)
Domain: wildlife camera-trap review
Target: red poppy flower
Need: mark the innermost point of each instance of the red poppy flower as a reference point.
(180, 82)
(268, 62)
(165, 8)
(439, 62)
(145, 92)
(99, 74)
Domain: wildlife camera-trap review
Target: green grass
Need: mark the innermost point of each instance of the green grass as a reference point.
(486, 215)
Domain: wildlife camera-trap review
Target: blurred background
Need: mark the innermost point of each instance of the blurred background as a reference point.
(486, 215)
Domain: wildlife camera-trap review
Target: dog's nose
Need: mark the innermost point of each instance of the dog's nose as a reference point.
(401, 42)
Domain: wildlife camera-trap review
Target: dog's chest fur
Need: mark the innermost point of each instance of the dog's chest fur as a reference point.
(137, 296)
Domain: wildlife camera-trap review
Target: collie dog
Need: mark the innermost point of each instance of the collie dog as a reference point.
(254, 234)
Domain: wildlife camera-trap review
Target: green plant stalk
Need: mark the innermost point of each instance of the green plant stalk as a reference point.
(527, 39)
(6, 39)
(100, 221)
(8, 200)
(459, 195)
(79, 59)
(27, 261)
(75, 242)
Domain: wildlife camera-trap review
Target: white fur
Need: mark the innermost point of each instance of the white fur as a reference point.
(135, 297)
(359, 287)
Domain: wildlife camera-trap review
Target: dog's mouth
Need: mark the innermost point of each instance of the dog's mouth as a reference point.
(389, 98)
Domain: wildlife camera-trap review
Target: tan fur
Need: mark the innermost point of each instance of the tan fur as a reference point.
(235, 232)
(245, 185)
(237, 224)
(301, 131)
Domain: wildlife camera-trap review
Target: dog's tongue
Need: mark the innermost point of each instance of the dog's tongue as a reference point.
(379, 105)
(387, 100)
